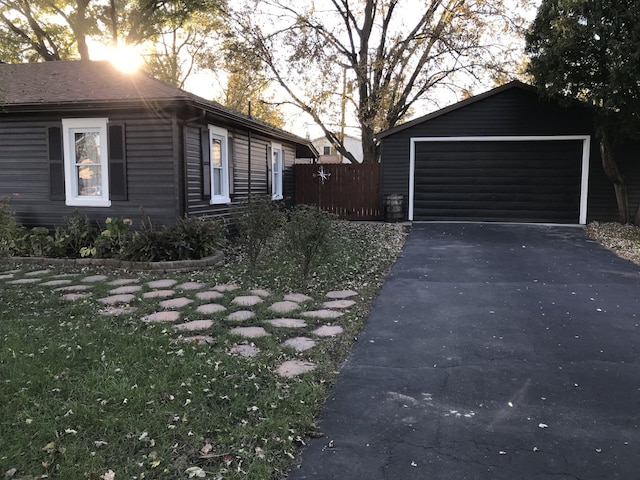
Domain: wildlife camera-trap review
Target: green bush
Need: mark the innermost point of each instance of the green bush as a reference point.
(37, 242)
(258, 220)
(308, 237)
(153, 244)
(112, 240)
(199, 237)
(77, 235)
(8, 229)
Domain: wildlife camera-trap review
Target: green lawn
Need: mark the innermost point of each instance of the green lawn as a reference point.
(86, 395)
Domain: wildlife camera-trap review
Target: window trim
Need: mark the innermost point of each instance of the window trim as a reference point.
(72, 197)
(276, 174)
(223, 135)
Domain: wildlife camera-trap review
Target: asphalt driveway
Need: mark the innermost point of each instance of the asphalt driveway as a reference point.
(492, 352)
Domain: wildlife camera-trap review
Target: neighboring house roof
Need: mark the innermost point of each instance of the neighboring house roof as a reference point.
(78, 85)
(456, 106)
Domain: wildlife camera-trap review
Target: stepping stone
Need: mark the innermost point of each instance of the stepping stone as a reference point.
(114, 299)
(161, 317)
(24, 281)
(209, 295)
(158, 294)
(94, 278)
(6, 276)
(36, 273)
(249, 332)
(287, 323)
(227, 287)
(191, 286)
(113, 311)
(261, 292)
(300, 344)
(297, 297)
(7, 272)
(328, 331)
(72, 297)
(340, 294)
(293, 368)
(196, 339)
(284, 307)
(247, 351)
(322, 314)
(123, 281)
(339, 304)
(125, 289)
(166, 283)
(65, 275)
(55, 283)
(247, 300)
(210, 308)
(74, 288)
(194, 325)
(241, 315)
(176, 302)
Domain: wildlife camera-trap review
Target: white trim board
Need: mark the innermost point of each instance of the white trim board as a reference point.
(586, 149)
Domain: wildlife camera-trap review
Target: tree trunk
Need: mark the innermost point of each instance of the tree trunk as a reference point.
(370, 150)
(612, 172)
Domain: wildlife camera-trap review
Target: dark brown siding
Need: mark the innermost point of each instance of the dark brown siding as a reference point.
(24, 175)
(513, 112)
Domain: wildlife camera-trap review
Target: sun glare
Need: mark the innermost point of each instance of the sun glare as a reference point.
(124, 57)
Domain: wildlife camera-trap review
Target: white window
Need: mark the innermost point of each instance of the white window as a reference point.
(218, 142)
(276, 171)
(86, 162)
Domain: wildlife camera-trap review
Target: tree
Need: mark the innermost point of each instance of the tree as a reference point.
(394, 55)
(587, 50)
(58, 29)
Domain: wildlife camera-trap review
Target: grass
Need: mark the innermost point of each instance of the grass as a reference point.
(624, 240)
(88, 396)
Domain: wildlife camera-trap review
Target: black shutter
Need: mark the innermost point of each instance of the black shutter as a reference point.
(206, 163)
(117, 161)
(269, 168)
(56, 163)
(230, 163)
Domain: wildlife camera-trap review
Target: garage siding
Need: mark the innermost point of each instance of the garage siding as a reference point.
(525, 181)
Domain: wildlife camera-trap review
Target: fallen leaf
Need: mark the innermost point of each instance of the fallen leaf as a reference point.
(543, 425)
(50, 447)
(110, 475)
(206, 448)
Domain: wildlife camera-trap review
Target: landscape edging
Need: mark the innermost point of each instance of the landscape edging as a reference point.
(216, 259)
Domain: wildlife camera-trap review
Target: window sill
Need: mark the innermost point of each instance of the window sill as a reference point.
(84, 202)
(220, 200)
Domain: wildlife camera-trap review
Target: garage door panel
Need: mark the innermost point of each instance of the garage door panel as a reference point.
(535, 181)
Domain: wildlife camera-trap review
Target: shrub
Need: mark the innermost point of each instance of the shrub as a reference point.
(111, 242)
(8, 229)
(77, 235)
(152, 244)
(307, 237)
(37, 242)
(199, 237)
(257, 222)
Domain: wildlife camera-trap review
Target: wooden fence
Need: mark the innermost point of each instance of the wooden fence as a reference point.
(351, 192)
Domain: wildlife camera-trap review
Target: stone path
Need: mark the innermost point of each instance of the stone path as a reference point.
(249, 315)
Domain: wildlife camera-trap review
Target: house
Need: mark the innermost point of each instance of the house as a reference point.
(505, 155)
(329, 154)
(82, 135)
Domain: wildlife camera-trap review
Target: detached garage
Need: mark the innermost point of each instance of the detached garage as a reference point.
(504, 156)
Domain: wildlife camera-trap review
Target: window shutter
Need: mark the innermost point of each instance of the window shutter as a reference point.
(206, 163)
(56, 163)
(230, 160)
(117, 161)
(269, 170)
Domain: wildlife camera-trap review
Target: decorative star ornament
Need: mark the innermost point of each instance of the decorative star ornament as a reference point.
(322, 175)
